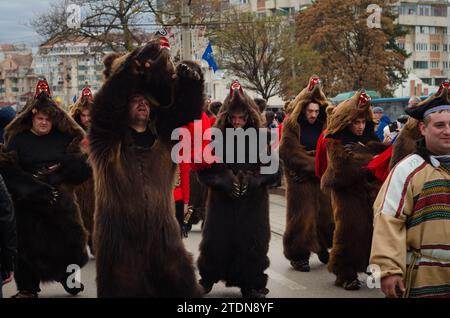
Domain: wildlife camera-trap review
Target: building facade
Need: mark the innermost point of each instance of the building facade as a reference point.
(428, 41)
(16, 74)
(69, 66)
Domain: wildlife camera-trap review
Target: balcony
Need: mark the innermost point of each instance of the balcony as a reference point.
(423, 20)
(436, 72)
(435, 56)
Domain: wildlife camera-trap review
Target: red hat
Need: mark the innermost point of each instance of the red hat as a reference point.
(164, 43)
(86, 92)
(235, 85)
(364, 99)
(42, 87)
(313, 81)
(445, 84)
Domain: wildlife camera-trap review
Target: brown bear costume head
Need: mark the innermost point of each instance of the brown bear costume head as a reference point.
(238, 101)
(349, 110)
(43, 102)
(154, 67)
(85, 101)
(311, 94)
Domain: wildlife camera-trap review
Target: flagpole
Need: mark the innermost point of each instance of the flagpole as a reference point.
(186, 33)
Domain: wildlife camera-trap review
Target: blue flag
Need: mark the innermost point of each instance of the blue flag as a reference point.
(208, 57)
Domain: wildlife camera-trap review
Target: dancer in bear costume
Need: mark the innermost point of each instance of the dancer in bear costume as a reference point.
(137, 240)
(236, 232)
(41, 166)
(309, 221)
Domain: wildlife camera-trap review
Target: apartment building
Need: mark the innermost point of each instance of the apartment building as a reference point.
(16, 74)
(428, 40)
(68, 66)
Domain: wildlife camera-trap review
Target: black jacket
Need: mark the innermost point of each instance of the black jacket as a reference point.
(8, 238)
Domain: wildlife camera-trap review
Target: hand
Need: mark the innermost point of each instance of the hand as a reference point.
(348, 151)
(47, 193)
(239, 189)
(389, 285)
(184, 71)
(9, 278)
(54, 167)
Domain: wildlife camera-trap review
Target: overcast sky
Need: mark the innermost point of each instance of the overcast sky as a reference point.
(14, 16)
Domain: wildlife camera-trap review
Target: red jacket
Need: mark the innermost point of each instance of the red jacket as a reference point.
(181, 191)
(321, 155)
(379, 165)
(206, 139)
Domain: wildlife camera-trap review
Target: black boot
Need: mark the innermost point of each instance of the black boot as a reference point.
(254, 293)
(25, 294)
(301, 266)
(324, 256)
(206, 285)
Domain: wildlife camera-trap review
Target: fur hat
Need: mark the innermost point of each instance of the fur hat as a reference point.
(85, 101)
(310, 94)
(238, 101)
(43, 102)
(346, 112)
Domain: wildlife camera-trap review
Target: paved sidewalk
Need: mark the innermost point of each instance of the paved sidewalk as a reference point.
(277, 213)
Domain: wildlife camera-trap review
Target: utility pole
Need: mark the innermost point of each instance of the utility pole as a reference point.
(186, 51)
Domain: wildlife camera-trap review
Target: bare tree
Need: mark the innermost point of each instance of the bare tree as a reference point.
(119, 24)
(260, 51)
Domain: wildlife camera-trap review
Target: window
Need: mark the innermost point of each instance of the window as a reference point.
(439, 11)
(434, 64)
(445, 64)
(426, 81)
(401, 46)
(422, 29)
(424, 10)
(444, 47)
(421, 47)
(420, 64)
(435, 47)
(407, 9)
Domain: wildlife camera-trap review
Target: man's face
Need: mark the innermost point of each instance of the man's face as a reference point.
(377, 116)
(239, 119)
(357, 126)
(436, 131)
(312, 112)
(85, 118)
(41, 124)
(139, 108)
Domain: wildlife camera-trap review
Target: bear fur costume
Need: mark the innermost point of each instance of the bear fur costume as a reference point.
(85, 192)
(353, 190)
(137, 240)
(51, 235)
(309, 217)
(236, 231)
